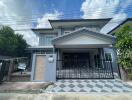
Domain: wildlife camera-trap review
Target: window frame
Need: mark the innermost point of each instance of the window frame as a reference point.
(48, 38)
(66, 32)
(107, 59)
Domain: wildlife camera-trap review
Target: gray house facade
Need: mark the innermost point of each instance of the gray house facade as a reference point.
(74, 49)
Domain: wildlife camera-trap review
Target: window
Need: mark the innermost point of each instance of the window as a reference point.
(48, 39)
(45, 40)
(66, 32)
(108, 57)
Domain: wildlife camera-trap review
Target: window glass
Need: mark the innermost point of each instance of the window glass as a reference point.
(45, 40)
(48, 39)
(66, 32)
(108, 57)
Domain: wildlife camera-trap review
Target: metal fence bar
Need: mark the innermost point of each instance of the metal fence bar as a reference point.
(78, 69)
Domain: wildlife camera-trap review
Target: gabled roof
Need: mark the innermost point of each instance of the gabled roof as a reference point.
(82, 20)
(78, 22)
(123, 22)
(86, 31)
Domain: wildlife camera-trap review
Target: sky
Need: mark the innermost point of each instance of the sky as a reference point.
(22, 15)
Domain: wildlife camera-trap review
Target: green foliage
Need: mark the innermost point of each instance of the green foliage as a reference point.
(11, 44)
(124, 45)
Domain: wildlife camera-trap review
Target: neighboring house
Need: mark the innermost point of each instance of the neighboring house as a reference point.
(4, 57)
(74, 49)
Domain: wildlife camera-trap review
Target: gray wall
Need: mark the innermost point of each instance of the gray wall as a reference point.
(93, 28)
(114, 58)
(44, 38)
(50, 68)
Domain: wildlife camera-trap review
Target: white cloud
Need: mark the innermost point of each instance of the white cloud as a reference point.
(13, 14)
(44, 23)
(99, 8)
(2, 4)
(10, 15)
(28, 35)
(106, 9)
(117, 19)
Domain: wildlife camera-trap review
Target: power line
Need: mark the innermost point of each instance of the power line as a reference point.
(29, 20)
(76, 11)
(91, 9)
(31, 24)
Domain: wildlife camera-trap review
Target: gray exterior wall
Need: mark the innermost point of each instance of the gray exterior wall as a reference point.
(44, 38)
(49, 74)
(93, 28)
(114, 58)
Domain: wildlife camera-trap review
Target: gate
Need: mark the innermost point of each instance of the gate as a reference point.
(77, 66)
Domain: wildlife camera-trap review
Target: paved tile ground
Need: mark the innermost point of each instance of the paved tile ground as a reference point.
(111, 85)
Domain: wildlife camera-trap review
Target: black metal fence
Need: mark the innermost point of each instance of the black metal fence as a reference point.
(81, 69)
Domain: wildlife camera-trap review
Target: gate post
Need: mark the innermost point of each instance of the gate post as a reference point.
(10, 69)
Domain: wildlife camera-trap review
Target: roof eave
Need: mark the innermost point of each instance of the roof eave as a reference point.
(37, 29)
(119, 25)
(76, 20)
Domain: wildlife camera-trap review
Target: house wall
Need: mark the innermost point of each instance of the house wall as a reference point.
(93, 28)
(44, 68)
(45, 38)
(83, 39)
(114, 58)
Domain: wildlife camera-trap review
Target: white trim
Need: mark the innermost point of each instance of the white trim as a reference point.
(40, 47)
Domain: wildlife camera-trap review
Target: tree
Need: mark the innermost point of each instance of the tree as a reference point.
(124, 45)
(11, 44)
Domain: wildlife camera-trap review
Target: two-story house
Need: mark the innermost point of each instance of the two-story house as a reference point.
(74, 49)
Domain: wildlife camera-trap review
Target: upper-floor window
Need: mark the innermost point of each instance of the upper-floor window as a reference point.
(48, 39)
(92, 28)
(66, 32)
(45, 40)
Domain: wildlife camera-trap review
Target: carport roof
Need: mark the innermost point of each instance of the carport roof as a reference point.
(87, 31)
